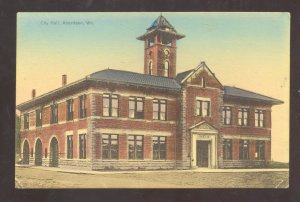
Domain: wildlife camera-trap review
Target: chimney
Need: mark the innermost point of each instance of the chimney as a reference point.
(64, 80)
(33, 94)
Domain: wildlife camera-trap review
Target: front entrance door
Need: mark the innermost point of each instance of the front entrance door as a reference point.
(53, 153)
(203, 153)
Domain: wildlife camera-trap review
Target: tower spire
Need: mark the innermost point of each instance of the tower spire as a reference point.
(160, 48)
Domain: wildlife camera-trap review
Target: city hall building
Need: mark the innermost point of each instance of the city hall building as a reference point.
(114, 119)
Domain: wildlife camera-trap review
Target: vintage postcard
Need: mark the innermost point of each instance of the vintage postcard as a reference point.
(152, 100)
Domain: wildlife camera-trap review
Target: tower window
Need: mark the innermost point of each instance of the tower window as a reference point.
(150, 67)
(166, 69)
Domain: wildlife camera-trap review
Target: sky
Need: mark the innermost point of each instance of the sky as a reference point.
(246, 50)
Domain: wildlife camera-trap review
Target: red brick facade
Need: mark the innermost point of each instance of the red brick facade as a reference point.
(194, 116)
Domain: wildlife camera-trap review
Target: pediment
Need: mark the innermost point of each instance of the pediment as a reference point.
(202, 74)
(203, 127)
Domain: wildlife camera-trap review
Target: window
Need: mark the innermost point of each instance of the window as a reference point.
(202, 108)
(38, 117)
(136, 107)
(82, 106)
(110, 105)
(159, 148)
(82, 146)
(227, 117)
(26, 121)
(70, 109)
(159, 109)
(260, 150)
(110, 147)
(203, 83)
(135, 147)
(244, 149)
(54, 113)
(70, 146)
(259, 118)
(150, 68)
(227, 149)
(166, 69)
(243, 117)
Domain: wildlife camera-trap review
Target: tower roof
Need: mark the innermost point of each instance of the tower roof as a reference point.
(162, 25)
(161, 22)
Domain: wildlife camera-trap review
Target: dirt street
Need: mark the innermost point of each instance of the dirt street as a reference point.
(39, 178)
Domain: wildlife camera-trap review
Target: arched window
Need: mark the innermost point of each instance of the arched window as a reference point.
(166, 73)
(150, 68)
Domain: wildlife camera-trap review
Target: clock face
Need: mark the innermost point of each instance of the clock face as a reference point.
(167, 52)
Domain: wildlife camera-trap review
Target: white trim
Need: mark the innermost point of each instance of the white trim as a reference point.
(69, 132)
(61, 122)
(133, 132)
(212, 153)
(82, 131)
(203, 98)
(124, 94)
(131, 119)
(246, 137)
(199, 86)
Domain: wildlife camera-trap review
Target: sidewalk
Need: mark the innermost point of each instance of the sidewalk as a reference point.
(202, 170)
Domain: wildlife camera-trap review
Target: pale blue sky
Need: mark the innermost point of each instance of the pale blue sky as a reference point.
(248, 50)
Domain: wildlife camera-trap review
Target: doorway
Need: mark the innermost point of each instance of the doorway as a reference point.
(25, 153)
(53, 153)
(38, 153)
(203, 150)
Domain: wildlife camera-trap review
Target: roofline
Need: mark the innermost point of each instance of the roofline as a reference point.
(275, 102)
(202, 64)
(142, 37)
(51, 93)
(134, 84)
(279, 101)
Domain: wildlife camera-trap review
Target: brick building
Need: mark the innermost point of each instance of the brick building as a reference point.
(116, 119)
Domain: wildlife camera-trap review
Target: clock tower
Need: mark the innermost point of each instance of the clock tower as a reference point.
(160, 48)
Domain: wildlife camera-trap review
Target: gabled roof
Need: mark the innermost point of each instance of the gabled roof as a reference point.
(118, 76)
(245, 94)
(183, 76)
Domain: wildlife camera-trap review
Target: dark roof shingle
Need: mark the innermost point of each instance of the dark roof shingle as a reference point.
(238, 92)
(133, 78)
